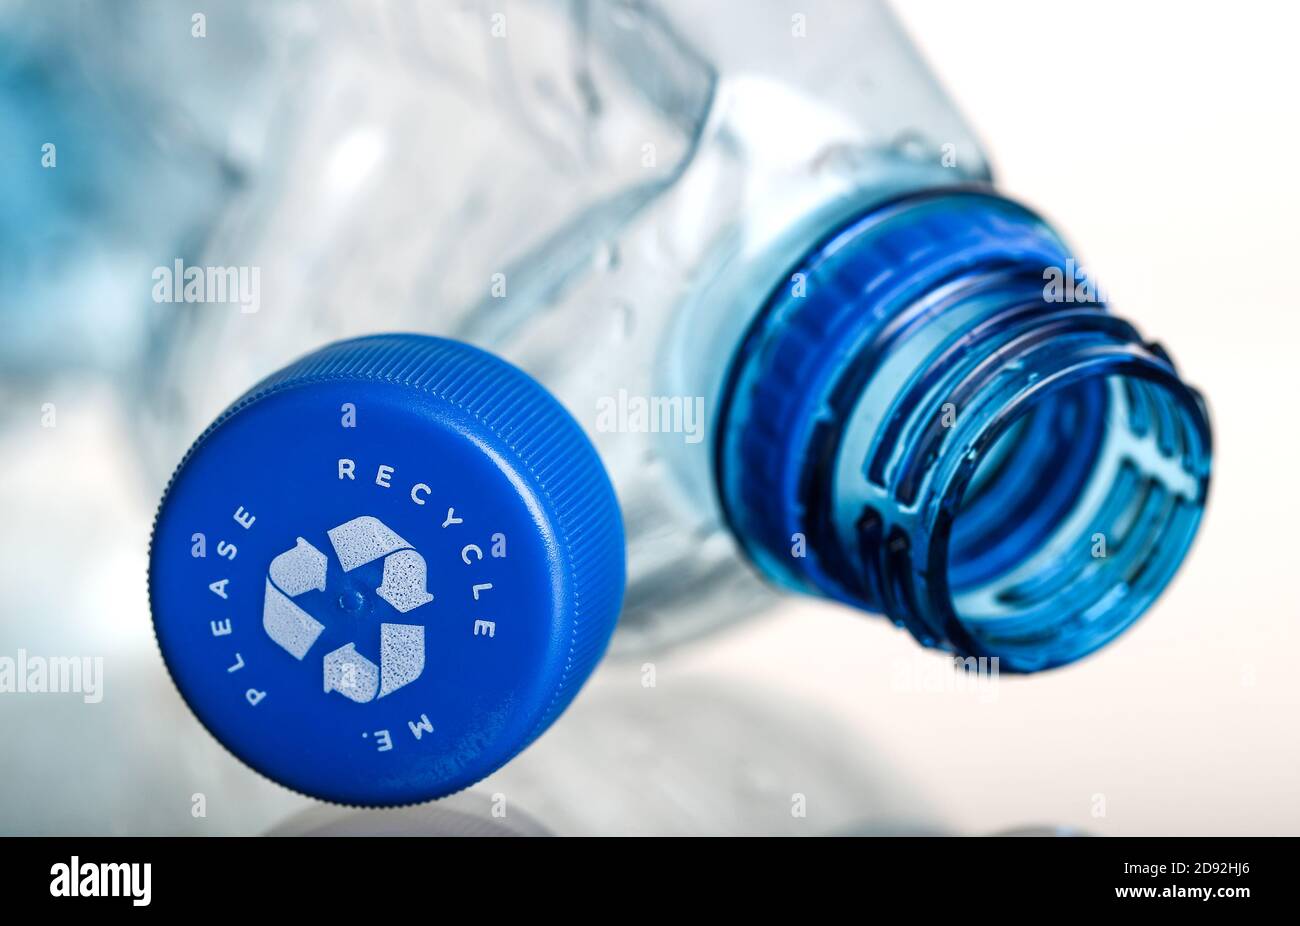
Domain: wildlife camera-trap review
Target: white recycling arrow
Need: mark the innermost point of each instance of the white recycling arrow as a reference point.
(293, 572)
(401, 655)
(364, 540)
(351, 674)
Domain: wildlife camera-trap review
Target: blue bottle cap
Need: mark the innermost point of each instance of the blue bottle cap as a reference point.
(386, 569)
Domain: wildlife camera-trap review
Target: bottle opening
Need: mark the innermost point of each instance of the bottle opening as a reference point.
(1076, 517)
(925, 430)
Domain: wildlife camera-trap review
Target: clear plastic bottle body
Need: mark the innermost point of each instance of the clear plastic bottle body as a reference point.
(610, 220)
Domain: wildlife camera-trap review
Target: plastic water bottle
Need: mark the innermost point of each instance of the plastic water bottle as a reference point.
(754, 252)
(761, 260)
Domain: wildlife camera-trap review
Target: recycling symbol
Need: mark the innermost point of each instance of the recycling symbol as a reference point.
(302, 568)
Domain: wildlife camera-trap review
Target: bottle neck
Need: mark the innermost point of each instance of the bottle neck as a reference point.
(921, 427)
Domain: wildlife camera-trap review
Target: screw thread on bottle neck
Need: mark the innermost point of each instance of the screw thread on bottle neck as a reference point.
(1004, 474)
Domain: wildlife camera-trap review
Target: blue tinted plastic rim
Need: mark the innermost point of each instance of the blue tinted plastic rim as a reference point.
(833, 399)
(1053, 648)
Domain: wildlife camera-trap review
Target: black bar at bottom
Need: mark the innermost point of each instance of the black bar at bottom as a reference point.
(370, 875)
